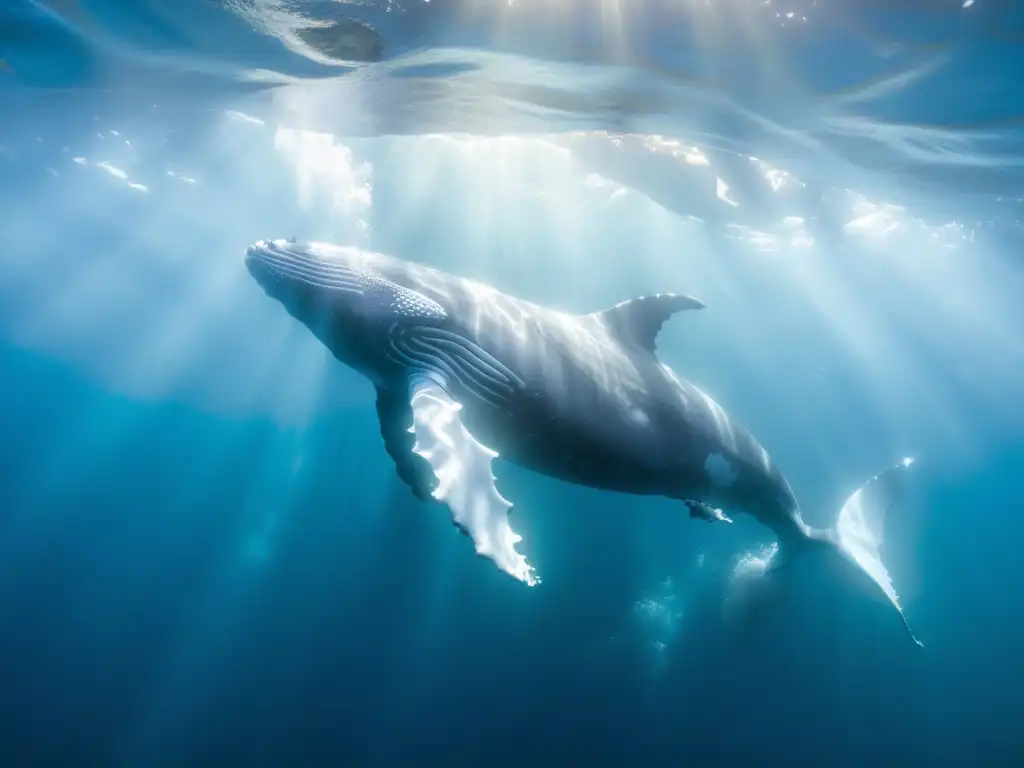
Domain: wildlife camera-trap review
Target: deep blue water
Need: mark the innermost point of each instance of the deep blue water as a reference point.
(206, 556)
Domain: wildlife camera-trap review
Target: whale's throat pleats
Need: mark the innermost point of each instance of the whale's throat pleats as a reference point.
(460, 365)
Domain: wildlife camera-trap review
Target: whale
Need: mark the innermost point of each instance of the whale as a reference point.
(465, 374)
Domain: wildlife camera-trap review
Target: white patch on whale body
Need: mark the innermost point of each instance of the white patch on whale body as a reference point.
(720, 470)
(465, 481)
(639, 416)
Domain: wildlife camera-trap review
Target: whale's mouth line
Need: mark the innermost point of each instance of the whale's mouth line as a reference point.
(278, 262)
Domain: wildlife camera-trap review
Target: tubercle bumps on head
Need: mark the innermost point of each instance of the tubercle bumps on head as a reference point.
(411, 303)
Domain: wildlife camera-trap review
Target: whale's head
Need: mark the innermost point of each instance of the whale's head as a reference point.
(352, 300)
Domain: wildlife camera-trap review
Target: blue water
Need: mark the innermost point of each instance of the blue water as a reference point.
(206, 556)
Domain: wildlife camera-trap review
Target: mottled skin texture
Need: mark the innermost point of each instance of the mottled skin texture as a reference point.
(574, 397)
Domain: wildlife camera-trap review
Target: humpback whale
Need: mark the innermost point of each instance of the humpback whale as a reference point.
(464, 374)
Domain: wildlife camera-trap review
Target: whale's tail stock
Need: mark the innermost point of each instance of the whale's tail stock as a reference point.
(858, 533)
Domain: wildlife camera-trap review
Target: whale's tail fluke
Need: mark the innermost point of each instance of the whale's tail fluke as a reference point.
(858, 533)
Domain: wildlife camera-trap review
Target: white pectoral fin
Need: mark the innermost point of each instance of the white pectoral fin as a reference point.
(465, 481)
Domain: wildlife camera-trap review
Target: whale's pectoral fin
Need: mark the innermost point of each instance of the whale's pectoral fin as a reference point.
(637, 322)
(395, 416)
(465, 483)
(706, 512)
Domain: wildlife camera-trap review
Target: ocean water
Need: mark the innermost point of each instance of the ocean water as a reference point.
(206, 555)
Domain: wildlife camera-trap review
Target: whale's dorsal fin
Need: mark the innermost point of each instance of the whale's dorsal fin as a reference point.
(637, 321)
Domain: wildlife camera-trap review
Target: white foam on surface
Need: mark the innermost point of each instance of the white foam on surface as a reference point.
(114, 171)
(466, 486)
